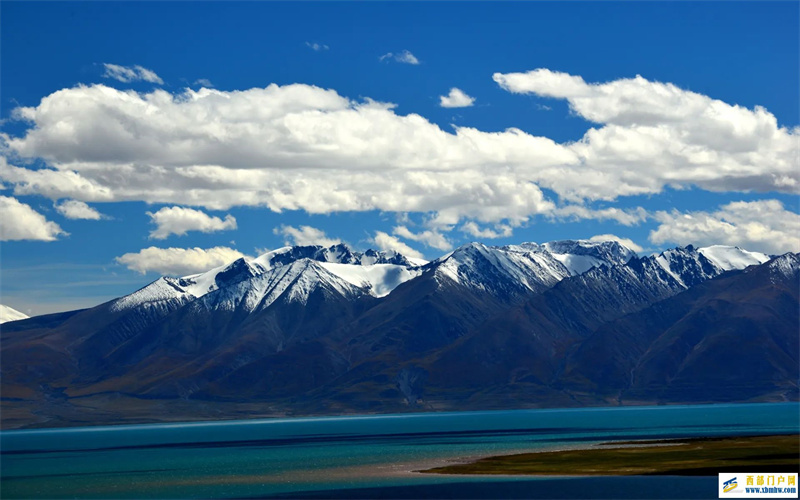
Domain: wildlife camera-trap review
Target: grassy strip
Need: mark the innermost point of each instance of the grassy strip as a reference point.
(689, 457)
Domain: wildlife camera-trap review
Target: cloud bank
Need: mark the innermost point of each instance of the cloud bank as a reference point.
(301, 147)
(657, 134)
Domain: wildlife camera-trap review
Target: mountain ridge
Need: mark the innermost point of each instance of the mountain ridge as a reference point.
(320, 330)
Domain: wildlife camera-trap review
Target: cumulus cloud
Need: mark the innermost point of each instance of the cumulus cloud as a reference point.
(19, 221)
(301, 147)
(178, 261)
(499, 231)
(287, 148)
(385, 241)
(405, 57)
(73, 209)
(456, 99)
(129, 74)
(656, 134)
(428, 237)
(204, 82)
(304, 235)
(624, 241)
(763, 226)
(316, 47)
(179, 221)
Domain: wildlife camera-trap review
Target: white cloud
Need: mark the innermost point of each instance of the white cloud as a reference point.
(763, 226)
(178, 261)
(657, 134)
(624, 241)
(304, 236)
(295, 147)
(316, 46)
(456, 99)
(500, 230)
(402, 57)
(54, 184)
(204, 82)
(73, 209)
(129, 74)
(179, 220)
(19, 221)
(406, 57)
(428, 237)
(386, 241)
(300, 147)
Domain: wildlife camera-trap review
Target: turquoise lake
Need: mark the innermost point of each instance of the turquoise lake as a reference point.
(360, 456)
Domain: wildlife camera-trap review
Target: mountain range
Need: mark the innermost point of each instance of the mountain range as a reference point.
(311, 330)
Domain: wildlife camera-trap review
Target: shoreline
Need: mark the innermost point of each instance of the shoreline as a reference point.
(684, 457)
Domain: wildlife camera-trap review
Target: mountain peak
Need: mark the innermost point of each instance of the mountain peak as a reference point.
(10, 314)
(578, 256)
(339, 253)
(687, 265)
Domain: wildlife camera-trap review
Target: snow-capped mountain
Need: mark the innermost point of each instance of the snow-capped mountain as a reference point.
(318, 330)
(10, 314)
(295, 281)
(687, 266)
(500, 269)
(728, 258)
(377, 272)
(510, 269)
(690, 265)
(578, 256)
(527, 267)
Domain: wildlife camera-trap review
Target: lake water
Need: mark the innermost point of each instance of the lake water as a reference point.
(360, 456)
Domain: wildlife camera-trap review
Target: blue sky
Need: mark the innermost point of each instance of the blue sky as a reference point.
(108, 161)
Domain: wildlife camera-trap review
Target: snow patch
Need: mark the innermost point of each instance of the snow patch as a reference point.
(728, 257)
(380, 279)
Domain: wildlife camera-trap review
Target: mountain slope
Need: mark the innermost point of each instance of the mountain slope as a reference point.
(731, 338)
(518, 354)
